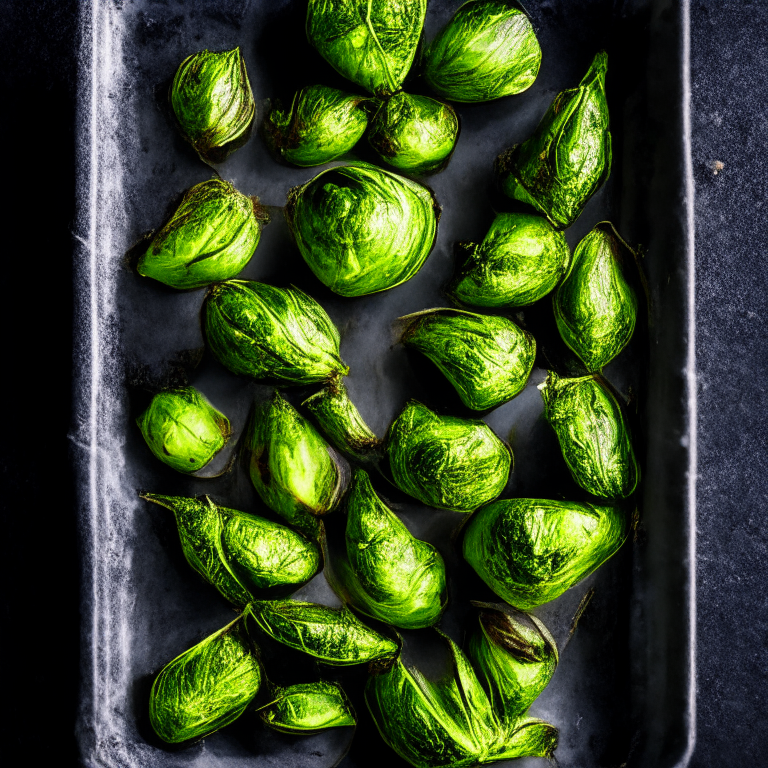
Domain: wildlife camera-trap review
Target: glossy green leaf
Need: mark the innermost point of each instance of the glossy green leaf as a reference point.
(488, 359)
(362, 229)
(444, 461)
(568, 157)
(308, 708)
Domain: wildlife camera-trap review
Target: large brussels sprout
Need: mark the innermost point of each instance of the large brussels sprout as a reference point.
(331, 635)
(241, 555)
(210, 237)
(521, 259)
(370, 43)
(213, 103)
(595, 306)
(321, 124)
(266, 332)
(487, 50)
(414, 134)
(449, 722)
(568, 157)
(488, 359)
(307, 708)
(529, 551)
(385, 572)
(183, 429)
(206, 688)
(444, 461)
(296, 473)
(362, 229)
(593, 436)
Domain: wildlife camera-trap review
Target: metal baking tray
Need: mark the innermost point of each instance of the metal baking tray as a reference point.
(624, 691)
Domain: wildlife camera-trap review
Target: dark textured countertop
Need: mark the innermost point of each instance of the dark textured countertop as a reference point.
(729, 86)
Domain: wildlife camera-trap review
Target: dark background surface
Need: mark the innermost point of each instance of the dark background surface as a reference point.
(38, 64)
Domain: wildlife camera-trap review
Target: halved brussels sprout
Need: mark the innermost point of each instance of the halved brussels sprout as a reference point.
(307, 708)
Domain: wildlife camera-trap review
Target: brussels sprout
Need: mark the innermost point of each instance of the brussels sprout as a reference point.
(332, 635)
(341, 421)
(296, 473)
(595, 307)
(415, 134)
(266, 332)
(207, 687)
(240, 554)
(385, 572)
(449, 722)
(362, 229)
(213, 103)
(593, 437)
(321, 124)
(516, 657)
(568, 157)
(487, 50)
(488, 359)
(183, 429)
(444, 461)
(307, 708)
(371, 44)
(521, 259)
(529, 551)
(211, 237)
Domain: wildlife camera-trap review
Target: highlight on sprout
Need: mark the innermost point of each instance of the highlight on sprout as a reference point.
(307, 708)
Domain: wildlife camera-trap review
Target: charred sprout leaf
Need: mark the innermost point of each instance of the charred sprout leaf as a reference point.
(568, 157)
(211, 237)
(521, 259)
(385, 572)
(488, 359)
(212, 100)
(332, 635)
(322, 124)
(529, 551)
(414, 134)
(308, 708)
(183, 429)
(296, 473)
(206, 688)
(444, 461)
(370, 43)
(487, 50)
(595, 307)
(341, 421)
(593, 436)
(261, 331)
(362, 229)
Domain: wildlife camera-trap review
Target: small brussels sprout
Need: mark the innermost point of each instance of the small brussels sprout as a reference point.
(593, 436)
(183, 429)
(261, 331)
(487, 50)
(529, 551)
(332, 635)
(515, 656)
(385, 571)
(595, 307)
(414, 134)
(241, 555)
(322, 124)
(213, 103)
(211, 237)
(207, 687)
(521, 259)
(362, 229)
(568, 157)
(342, 423)
(371, 44)
(488, 359)
(444, 461)
(296, 473)
(307, 708)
